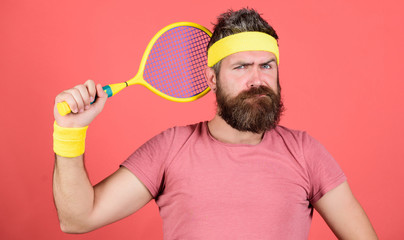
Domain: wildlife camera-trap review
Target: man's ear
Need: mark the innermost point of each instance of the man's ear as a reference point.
(210, 78)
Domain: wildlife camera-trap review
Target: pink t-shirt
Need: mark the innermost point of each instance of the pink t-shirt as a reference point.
(207, 189)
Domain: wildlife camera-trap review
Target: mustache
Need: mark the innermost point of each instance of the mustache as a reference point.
(257, 91)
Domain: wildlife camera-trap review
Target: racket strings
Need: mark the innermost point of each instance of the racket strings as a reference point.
(176, 63)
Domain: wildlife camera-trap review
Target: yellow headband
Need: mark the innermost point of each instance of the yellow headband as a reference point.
(241, 42)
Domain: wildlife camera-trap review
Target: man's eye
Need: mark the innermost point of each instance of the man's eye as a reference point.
(239, 67)
(266, 66)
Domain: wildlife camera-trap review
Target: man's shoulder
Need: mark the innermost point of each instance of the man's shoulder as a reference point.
(189, 128)
(181, 131)
(173, 136)
(282, 130)
(300, 137)
(293, 136)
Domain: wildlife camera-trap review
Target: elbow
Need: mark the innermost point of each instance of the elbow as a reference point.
(67, 229)
(74, 223)
(74, 228)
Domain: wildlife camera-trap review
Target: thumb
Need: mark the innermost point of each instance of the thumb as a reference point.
(100, 92)
(101, 97)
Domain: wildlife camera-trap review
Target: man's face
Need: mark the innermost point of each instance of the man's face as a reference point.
(247, 91)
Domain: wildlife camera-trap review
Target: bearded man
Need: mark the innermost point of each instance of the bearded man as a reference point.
(237, 176)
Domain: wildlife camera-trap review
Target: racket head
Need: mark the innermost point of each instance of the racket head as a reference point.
(174, 62)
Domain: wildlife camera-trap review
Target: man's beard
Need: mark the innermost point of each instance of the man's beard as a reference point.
(256, 110)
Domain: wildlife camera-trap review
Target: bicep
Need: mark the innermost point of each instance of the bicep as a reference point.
(118, 196)
(344, 215)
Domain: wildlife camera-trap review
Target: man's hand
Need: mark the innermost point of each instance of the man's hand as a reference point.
(79, 99)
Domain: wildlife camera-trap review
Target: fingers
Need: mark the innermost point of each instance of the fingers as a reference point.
(91, 89)
(79, 97)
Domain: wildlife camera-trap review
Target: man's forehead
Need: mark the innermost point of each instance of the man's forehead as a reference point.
(250, 56)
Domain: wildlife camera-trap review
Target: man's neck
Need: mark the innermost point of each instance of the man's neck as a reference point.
(223, 132)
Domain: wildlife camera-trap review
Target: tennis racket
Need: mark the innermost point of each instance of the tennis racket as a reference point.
(172, 65)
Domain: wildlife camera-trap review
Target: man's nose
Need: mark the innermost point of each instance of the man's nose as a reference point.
(255, 79)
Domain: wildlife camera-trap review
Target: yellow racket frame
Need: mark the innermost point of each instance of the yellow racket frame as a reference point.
(113, 89)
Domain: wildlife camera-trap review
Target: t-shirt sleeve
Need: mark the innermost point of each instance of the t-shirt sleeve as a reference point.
(324, 172)
(148, 161)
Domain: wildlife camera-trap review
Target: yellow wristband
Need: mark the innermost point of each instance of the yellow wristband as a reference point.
(69, 142)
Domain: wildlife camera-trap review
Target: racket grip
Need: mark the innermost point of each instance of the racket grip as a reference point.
(63, 108)
(110, 90)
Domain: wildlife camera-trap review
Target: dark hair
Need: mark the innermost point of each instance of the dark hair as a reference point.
(243, 20)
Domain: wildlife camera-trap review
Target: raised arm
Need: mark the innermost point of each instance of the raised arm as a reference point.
(344, 215)
(80, 206)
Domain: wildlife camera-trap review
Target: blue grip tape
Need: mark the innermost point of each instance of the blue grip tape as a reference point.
(108, 90)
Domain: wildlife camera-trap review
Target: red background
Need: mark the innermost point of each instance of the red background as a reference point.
(341, 75)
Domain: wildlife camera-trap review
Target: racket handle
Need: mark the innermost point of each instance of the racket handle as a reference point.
(63, 108)
(111, 90)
